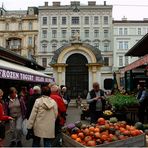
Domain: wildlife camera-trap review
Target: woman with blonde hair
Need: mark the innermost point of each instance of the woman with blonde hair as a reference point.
(2, 119)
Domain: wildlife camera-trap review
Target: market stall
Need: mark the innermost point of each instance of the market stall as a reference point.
(18, 71)
(105, 133)
(136, 72)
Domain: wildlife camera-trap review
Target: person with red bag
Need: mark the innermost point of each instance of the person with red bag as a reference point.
(2, 119)
(60, 121)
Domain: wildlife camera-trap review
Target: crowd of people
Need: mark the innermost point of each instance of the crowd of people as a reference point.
(44, 108)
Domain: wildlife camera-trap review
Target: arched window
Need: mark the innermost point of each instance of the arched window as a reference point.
(54, 47)
(7, 26)
(20, 26)
(30, 26)
(106, 46)
(44, 47)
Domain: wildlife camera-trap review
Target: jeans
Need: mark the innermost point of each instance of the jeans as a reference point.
(57, 141)
(36, 142)
(16, 129)
(95, 115)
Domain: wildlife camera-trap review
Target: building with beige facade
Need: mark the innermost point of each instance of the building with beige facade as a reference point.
(19, 31)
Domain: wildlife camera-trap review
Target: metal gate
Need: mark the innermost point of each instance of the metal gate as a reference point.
(77, 75)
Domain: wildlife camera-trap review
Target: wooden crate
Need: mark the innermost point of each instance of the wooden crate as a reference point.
(137, 141)
(68, 142)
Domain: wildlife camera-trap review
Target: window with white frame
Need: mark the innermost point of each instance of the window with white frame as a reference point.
(120, 60)
(126, 60)
(106, 33)
(96, 33)
(64, 33)
(120, 45)
(96, 20)
(44, 33)
(105, 20)
(54, 46)
(106, 46)
(120, 31)
(64, 20)
(72, 32)
(86, 33)
(44, 47)
(44, 20)
(30, 41)
(54, 20)
(20, 26)
(139, 31)
(54, 33)
(30, 26)
(106, 61)
(44, 62)
(123, 45)
(75, 20)
(125, 31)
(86, 20)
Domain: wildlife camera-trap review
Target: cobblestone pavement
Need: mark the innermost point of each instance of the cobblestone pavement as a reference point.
(73, 116)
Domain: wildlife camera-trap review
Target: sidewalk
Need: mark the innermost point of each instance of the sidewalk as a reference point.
(73, 116)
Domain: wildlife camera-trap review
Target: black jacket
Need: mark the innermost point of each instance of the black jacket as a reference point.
(92, 105)
(30, 104)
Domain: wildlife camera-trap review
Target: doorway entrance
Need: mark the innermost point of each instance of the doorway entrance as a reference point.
(77, 75)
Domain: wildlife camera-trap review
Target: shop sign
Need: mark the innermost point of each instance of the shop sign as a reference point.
(9, 74)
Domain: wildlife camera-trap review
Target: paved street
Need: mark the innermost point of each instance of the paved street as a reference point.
(73, 116)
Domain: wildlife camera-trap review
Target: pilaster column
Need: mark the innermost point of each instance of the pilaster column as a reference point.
(59, 75)
(94, 70)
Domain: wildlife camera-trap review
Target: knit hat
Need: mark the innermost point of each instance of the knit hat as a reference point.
(37, 88)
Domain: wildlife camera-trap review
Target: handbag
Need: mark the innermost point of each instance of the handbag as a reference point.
(30, 134)
(2, 130)
(24, 127)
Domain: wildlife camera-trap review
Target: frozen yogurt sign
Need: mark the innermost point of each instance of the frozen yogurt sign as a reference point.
(9, 74)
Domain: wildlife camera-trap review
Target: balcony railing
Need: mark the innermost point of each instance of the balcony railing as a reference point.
(14, 47)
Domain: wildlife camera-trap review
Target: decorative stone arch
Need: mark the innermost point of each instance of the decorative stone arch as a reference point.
(91, 58)
(92, 54)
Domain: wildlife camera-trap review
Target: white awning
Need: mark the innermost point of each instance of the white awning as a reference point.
(18, 72)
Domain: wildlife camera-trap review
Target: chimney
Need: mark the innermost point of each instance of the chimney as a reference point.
(124, 19)
(75, 3)
(46, 4)
(145, 19)
(104, 3)
(91, 3)
(56, 4)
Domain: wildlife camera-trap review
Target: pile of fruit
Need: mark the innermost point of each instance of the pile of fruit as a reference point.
(105, 131)
(107, 112)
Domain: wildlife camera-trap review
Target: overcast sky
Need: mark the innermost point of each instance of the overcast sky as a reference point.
(132, 9)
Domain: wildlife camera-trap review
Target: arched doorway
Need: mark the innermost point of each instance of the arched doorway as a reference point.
(77, 75)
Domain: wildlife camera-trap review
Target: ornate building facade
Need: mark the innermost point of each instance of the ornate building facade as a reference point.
(77, 44)
(19, 31)
(78, 30)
